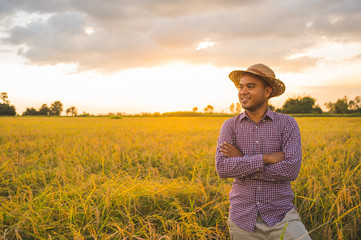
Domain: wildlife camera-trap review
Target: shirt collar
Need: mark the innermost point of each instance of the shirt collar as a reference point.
(269, 113)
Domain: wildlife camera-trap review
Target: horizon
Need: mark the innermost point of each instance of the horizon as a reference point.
(154, 56)
(199, 110)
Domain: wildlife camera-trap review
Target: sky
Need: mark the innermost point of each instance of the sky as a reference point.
(160, 56)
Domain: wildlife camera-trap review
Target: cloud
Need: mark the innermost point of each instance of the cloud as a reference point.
(129, 34)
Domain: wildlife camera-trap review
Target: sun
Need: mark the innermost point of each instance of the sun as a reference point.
(89, 30)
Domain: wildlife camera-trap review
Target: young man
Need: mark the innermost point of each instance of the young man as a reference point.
(261, 150)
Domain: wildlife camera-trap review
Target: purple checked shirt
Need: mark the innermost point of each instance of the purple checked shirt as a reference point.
(259, 188)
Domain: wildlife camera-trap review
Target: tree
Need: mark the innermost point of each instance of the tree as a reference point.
(343, 105)
(301, 105)
(56, 108)
(355, 105)
(231, 108)
(209, 109)
(44, 110)
(30, 112)
(195, 109)
(340, 106)
(5, 108)
(238, 108)
(4, 97)
(73, 111)
(271, 107)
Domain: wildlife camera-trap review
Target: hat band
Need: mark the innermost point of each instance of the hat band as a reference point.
(257, 71)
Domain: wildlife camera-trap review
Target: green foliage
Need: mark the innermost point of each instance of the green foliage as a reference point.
(343, 105)
(300, 105)
(5, 108)
(44, 110)
(4, 97)
(30, 112)
(56, 108)
(72, 110)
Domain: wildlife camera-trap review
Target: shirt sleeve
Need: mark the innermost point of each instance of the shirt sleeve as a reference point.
(288, 169)
(235, 167)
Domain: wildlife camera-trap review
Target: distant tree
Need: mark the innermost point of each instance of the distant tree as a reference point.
(208, 109)
(30, 112)
(56, 108)
(231, 108)
(343, 105)
(301, 105)
(238, 108)
(5, 108)
(340, 106)
(73, 111)
(355, 105)
(271, 107)
(317, 109)
(4, 97)
(85, 114)
(195, 109)
(44, 110)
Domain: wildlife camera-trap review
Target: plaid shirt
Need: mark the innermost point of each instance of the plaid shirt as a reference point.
(260, 188)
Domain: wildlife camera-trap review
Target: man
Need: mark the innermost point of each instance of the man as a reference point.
(261, 149)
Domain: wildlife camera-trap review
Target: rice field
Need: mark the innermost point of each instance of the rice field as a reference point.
(155, 178)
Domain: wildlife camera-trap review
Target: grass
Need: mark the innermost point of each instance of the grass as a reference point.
(154, 178)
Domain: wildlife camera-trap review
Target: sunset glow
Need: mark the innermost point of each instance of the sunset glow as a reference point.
(158, 57)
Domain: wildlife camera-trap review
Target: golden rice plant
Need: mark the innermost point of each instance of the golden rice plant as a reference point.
(154, 178)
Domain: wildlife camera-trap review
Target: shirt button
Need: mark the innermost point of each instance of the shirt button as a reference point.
(256, 127)
(259, 188)
(257, 203)
(256, 141)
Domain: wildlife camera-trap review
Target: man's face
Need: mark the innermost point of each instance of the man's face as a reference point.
(253, 94)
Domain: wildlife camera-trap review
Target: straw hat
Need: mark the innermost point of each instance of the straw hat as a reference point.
(265, 73)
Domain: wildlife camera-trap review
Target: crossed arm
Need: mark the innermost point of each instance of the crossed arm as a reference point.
(269, 158)
(278, 166)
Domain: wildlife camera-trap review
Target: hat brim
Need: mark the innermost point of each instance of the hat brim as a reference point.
(277, 85)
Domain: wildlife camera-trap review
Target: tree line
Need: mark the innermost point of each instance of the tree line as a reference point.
(296, 105)
(55, 109)
(307, 104)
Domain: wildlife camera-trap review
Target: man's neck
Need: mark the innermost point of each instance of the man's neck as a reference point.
(258, 114)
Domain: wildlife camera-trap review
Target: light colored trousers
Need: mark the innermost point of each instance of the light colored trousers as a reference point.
(295, 229)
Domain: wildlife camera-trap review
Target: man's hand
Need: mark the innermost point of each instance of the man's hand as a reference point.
(229, 150)
(270, 158)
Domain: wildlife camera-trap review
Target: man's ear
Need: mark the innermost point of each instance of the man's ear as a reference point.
(268, 91)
